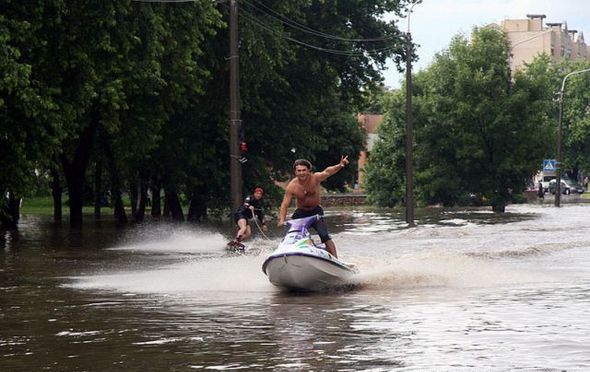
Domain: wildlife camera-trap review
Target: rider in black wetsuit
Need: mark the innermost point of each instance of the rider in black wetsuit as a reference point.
(253, 205)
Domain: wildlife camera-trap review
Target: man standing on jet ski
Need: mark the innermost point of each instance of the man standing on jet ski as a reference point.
(306, 189)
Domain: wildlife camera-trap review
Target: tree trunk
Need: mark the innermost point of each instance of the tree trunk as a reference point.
(98, 188)
(56, 193)
(198, 206)
(499, 200)
(141, 201)
(173, 205)
(499, 208)
(116, 200)
(133, 198)
(166, 212)
(75, 181)
(10, 212)
(75, 171)
(156, 205)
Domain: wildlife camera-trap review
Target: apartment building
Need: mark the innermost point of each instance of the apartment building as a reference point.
(532, 36)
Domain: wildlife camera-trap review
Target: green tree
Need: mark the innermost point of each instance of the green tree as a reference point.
(478, 132)
(116, 71)
(576, 121)
(304, 65)
(26, 125)
(293, 101)
(137, 92)
(384, 172)
(495, 130)
(178, 140)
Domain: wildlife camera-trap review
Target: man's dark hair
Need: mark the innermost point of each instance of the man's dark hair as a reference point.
(303, 162)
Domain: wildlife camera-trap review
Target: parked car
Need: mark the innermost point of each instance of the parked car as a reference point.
(545, 182)
(567, 186)
(545, 185)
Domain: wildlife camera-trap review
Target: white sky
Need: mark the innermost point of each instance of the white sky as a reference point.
(434, 22)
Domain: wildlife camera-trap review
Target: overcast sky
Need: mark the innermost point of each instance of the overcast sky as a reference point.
(434, 22)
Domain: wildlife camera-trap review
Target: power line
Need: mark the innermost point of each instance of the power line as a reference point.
(175, 1)
(304, 28)
(249, 16)
(253, 18)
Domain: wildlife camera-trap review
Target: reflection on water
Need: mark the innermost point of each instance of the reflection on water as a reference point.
(465, 290)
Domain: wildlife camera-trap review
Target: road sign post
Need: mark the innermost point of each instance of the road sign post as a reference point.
(549, 165)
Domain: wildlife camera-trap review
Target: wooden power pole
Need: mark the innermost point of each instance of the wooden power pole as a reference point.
(234, 119)
(409, 134)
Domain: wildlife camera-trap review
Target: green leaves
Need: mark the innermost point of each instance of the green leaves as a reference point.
(478, 133)
(146, 83)
(576, 134)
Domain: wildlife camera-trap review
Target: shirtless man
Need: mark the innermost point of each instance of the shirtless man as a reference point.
(306, 188)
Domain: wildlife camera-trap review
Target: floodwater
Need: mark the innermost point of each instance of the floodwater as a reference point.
(464, 290)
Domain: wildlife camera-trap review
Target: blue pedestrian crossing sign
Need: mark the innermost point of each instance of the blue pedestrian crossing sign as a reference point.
(549, 165)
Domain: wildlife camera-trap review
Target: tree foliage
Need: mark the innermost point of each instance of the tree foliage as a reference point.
(303, 93)
(135, 94)
(384, 173)
(576, 121)
(27, 126)
(479, 133)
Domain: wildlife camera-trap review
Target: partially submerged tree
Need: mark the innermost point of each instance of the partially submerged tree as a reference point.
(576, 118)
(28, 125)
(125, 95)
(479, 133)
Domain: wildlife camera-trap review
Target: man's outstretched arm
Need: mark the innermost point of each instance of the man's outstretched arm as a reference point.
(332, 170)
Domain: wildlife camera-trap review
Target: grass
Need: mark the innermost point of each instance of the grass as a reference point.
(43, 205)
(37, 205)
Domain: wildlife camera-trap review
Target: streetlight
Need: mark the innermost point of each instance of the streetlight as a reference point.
(409, 134)
(559, 130)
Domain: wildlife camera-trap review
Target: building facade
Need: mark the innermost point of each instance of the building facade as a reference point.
(531, 37)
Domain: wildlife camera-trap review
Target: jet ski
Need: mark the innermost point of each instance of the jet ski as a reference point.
(298, 264)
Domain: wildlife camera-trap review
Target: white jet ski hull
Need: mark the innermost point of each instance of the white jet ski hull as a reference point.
(306, 269)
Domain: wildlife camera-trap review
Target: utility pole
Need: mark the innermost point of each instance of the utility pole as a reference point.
(559, 130)
(409, 129)
(234, 118)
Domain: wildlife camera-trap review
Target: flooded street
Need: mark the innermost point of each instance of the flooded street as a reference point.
(464, 290)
